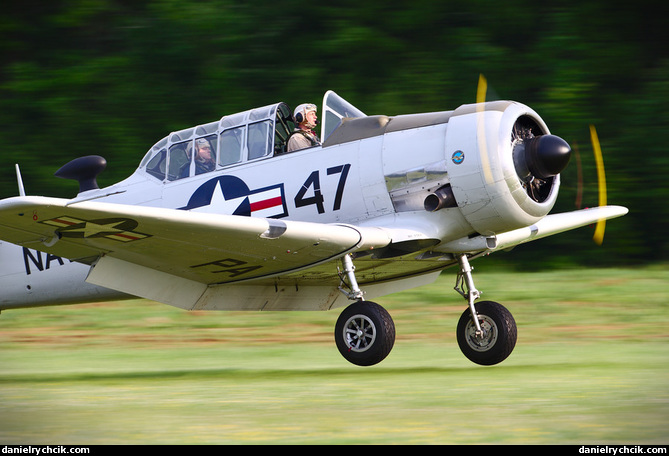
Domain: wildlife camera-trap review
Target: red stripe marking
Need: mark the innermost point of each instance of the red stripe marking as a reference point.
(66, 222)
(134, 238)
(265, 204)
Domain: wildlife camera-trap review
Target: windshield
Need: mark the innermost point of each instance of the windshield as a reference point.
(335, 108)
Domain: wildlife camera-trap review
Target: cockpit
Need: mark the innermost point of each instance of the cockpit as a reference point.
(247, 136)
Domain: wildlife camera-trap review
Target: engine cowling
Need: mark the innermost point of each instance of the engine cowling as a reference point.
(503, 164)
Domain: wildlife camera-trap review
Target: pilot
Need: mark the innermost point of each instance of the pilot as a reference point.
(304, 136)
(204, 157)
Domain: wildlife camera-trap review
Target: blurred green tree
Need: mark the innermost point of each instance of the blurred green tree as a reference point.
(111, 77)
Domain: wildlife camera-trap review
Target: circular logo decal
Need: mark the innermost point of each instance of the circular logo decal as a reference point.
(458, 157)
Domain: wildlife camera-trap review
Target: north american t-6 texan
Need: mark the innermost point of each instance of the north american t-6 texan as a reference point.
(226, 216)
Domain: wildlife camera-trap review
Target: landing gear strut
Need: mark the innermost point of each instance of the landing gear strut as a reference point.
(365, 331)
(486, 332)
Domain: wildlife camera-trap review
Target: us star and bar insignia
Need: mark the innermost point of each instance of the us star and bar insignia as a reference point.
(231, 195)
(118, 229)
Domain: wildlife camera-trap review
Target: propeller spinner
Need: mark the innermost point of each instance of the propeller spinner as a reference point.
(540, 157)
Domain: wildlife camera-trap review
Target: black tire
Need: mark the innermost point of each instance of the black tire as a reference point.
(365, 333)
(500, 334)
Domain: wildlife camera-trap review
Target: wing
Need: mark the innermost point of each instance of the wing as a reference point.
(210, 261)
(208, 248)
(172, 255)
(548, 226)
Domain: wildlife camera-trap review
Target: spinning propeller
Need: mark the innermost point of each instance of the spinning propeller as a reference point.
(601, 182)
(598, 237)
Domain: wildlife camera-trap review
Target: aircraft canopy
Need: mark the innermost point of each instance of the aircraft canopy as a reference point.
(251, 135)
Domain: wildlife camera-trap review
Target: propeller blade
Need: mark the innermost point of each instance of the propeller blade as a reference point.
(601, 180)
(481, 91)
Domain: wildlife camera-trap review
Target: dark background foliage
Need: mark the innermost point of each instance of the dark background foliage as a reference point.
(111, 77)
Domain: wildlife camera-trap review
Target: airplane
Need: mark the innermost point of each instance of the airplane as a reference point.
(383, 204)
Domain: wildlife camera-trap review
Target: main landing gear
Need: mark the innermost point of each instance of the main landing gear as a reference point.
(365, 332)
(486, 332)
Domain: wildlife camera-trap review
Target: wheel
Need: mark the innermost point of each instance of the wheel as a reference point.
(365, 333)
(499, 334)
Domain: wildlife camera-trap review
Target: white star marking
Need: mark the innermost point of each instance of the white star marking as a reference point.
(91, 229)
(220, 205)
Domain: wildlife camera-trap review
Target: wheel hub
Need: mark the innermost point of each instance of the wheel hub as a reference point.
(484, 340)
(359, 333)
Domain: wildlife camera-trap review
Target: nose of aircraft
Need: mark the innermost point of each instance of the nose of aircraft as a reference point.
(541, 156)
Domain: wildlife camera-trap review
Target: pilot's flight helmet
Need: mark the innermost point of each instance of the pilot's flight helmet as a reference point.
(301, 111)
(202, 142)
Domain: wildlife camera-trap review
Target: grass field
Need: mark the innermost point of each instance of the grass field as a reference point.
(590, 367)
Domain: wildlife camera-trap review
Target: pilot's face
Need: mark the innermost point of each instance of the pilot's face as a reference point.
(204, 153)
(312, 117)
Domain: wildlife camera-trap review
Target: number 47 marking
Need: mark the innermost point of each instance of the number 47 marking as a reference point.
(313, 181)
